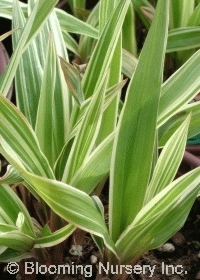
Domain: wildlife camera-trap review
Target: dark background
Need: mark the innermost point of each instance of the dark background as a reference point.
(5, 24)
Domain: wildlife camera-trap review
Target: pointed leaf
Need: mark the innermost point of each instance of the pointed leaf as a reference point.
(74, 25)
(51, 108)
(179, 89)
(18, 137)
(73, 80)
(11, 205)
(102, 55)
(87, 132)
(168, 162)
(13, 238)
(36, 20)
(95, 167)
(48, 239)
(134, 143)
(168, 128)
(71, 204)
(162, 217)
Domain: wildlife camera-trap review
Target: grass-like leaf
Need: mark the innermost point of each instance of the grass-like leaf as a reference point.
(135, 138)
(87, 132)
(69, 203)
(12, 237)
(11, 176)
(35, 22)
(18, 138)
(72, 24)
(129, 63)
(166, 130)
(27, 77)
(164, 215)
(48, 239)
(168, 162)
(51, 136)
(95, 167)
(179, 89)
(11, 206)
(180, 12)
(128, 29)
(183, 38)
(102, 55)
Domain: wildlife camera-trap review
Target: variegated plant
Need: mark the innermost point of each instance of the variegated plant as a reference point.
(69, 131)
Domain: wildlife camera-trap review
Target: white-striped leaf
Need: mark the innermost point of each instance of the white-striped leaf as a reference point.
(11, 176)
(52, 107)
(87, 132)
(35, 22)
(183, 38)
(48, 238)
(170, 126)
(168, 162)
(95, 167)
(19, 139)
(179, 89)
(162, 217)
(102, 55)
(135, 137)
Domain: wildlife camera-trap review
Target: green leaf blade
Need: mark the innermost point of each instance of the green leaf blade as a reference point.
(72, 205)
(162, 217)
(184, 38)
(95, 168)
(11, 205)
(104, 50)
(48, 239)
(87, 132)
(134, 144)
(17, 138)
(35, 22)
(45, 113)
(170, 126)
(168, 161)
(179, 89)
(13, 238)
